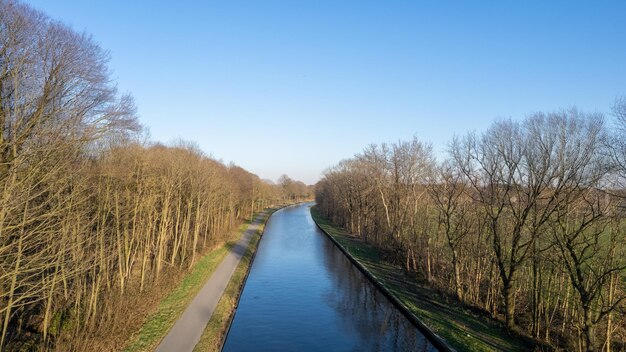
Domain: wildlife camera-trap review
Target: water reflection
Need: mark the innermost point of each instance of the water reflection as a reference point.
(303, 294)
(378, 323)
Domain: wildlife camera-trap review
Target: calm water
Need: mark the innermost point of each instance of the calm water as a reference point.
(303, 294)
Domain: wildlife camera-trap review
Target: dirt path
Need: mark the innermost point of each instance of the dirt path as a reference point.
(186, 332)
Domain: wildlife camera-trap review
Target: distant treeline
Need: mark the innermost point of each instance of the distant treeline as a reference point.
(90, 214)
(526, 221)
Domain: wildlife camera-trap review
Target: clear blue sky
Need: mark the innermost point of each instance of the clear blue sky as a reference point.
(295, 86)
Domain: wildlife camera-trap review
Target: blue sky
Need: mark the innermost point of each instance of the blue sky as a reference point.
(295, 86)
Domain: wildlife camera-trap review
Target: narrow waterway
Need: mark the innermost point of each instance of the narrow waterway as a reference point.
(303, 294)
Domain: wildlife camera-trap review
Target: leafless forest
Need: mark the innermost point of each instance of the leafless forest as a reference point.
(525, 221)
(92, 215)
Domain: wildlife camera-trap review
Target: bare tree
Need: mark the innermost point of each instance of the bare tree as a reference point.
(617, 143)
(449, 193)
(528, 219)
(89, 217)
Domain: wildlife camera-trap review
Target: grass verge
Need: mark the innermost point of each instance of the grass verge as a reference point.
(459, 326)
(213, 336)
(173, 305)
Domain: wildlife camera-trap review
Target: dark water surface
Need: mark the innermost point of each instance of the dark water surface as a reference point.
(303, 294)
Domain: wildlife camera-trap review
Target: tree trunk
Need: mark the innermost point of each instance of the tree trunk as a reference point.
(588, 329)
(509, 305)
(457, 276)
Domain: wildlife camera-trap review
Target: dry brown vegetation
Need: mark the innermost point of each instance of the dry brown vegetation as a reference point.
(525, 221)
(91, 219)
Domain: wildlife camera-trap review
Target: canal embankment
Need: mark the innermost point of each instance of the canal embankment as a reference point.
(447, 324)
(214, 334)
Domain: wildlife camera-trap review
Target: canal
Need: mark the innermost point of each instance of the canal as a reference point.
(303, 294)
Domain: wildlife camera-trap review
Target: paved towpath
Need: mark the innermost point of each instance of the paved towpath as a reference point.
(186, 333)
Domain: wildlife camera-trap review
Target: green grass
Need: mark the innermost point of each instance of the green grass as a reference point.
(173, 305)
(459, 326)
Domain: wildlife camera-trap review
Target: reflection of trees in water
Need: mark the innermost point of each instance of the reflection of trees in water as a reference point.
(380, 326)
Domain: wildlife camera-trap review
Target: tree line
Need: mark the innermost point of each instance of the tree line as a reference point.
(525, 221)
(90, 212)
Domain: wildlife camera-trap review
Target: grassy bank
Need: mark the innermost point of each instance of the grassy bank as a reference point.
(461, 327)
(213, 337)
(173, 305)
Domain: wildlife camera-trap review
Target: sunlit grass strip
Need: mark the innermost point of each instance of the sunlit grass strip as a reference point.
(173, 305)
